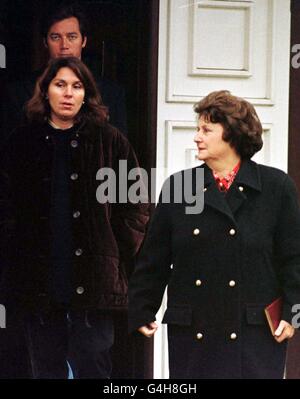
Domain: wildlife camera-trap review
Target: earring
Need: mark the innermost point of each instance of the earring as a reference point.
(83, 102)
(46, 97)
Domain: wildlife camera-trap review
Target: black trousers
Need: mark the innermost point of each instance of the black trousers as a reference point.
(83, 338)
(14, 359)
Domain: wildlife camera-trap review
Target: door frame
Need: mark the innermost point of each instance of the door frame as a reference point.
(293, 359)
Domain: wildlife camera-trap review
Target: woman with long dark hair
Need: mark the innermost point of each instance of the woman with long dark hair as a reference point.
(66, 252)
(39, 107)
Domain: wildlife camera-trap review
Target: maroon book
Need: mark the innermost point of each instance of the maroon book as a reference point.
(273, 313)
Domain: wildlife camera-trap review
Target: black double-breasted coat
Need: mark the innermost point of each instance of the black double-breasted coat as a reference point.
(222, 267)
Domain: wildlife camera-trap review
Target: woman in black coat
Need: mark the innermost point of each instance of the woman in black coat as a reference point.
(223, 266)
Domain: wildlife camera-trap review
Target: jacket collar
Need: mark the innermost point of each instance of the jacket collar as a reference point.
(248, 177)
(83, 130)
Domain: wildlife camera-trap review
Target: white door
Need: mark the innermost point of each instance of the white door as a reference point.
(242, 46)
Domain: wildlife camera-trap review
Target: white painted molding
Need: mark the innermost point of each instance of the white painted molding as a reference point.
(178, 94)
(200, 23)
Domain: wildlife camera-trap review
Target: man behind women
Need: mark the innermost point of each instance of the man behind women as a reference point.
(229, 261)
(64, 32)
(66, 251)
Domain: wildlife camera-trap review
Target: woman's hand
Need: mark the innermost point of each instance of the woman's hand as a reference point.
(149, 329)
(284, 331)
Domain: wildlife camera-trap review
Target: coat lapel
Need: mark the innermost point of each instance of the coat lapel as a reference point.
(247, 177)
(235, 198)
(213, 197)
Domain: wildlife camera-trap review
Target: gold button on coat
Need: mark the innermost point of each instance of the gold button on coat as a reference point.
(232, 232)
(233, 336)
(241, 188)
(196, 232)
(231, 283)
(199, 336)
(198, 283)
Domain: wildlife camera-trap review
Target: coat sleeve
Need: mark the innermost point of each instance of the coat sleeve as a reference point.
(129, 219)
(152, 272)
(287, 247)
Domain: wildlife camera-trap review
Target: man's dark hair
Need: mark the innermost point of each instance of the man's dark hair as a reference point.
(61, 12)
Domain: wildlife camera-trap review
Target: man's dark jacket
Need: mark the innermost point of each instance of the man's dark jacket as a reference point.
(106, 236)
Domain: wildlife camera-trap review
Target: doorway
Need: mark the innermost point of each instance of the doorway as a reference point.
(122, 47)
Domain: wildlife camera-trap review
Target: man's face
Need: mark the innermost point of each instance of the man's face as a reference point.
(64, 39)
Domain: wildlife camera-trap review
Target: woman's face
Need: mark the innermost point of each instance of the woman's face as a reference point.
(66, 94)
(210, 143)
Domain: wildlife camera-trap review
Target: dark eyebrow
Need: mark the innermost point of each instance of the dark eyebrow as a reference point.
(64, 81)
(68, 33)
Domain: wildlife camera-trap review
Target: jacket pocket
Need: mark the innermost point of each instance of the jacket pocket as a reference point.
(255, 314)
(181, 316)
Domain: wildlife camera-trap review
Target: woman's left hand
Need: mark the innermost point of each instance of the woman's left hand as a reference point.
(284, 331)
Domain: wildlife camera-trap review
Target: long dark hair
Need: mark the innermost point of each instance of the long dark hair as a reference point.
(38, 108)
